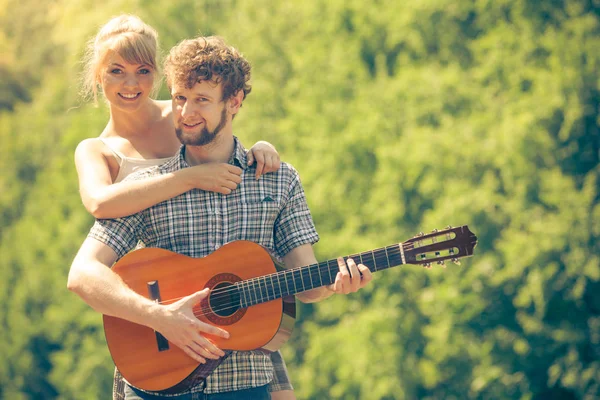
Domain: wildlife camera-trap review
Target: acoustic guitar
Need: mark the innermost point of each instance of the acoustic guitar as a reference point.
(250, 297)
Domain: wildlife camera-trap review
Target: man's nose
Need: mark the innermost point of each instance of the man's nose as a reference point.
(187, 109)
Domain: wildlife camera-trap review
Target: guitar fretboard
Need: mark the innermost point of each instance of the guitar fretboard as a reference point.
(297, 280)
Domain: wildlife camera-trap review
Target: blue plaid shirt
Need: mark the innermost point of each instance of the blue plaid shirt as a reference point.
(271, 211)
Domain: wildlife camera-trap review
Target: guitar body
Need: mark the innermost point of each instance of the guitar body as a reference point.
(249, 298)
(147, 360)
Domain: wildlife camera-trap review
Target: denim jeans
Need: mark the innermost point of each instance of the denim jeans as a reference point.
(257, 393)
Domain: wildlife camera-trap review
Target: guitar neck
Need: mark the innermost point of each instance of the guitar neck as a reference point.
(293, 281)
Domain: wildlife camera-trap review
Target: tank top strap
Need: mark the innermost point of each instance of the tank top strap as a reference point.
(117, 153)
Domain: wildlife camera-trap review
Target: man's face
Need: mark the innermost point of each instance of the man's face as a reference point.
(199, 113)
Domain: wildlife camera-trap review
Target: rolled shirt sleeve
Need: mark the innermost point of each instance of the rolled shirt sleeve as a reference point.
(294, 225)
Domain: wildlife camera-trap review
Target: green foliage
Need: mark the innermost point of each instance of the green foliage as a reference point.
(400, 117)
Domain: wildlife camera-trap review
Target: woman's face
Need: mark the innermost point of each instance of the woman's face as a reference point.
(126, 86)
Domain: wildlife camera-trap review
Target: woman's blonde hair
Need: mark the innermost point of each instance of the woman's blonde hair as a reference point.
(126, 35)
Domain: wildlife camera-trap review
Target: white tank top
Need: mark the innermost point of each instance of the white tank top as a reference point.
(128, 165)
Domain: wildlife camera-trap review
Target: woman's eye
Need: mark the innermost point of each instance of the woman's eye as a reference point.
(115, 71)
(144, 71)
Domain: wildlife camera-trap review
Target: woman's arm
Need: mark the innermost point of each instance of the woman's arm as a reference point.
(103, 199)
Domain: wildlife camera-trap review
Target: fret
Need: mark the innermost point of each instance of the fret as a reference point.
(277, 288)
(271, 289)
(287, 286)
(251, 294)
(250, 289)
(259, 282)
(325, 267)
(278, 276)
(395, 255)
(328, 268)
(299, 277)
(320, 277)
(276, 291)
(258, 290)
(380, 259)
(238, 286)
(361, 259)
(325, 274)
(288, 276)
(293, 280)
(304, 285)
(244, 294)
(387, 257)
(267, 287)
(256, 283)
(369, 261)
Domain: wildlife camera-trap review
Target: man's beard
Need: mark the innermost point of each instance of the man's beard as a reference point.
(203, 137)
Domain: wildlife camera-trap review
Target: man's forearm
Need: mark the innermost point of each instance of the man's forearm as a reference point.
(93, 281)
(301, 256)
(314, 295)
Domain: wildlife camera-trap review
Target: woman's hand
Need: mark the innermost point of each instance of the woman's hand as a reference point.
(214, 177)
(266, 157)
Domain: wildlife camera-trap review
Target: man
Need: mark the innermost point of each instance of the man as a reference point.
(208, 81)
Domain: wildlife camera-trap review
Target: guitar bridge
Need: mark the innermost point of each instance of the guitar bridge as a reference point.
(161, 342)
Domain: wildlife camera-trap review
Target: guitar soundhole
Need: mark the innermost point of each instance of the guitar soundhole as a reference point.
(224, 300)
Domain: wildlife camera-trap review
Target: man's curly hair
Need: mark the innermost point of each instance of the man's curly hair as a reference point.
(208, 58)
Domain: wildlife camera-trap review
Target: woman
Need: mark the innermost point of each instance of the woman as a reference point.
(122, 61)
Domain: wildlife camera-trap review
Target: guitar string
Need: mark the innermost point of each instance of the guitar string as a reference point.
(304, 271)
(255, 283)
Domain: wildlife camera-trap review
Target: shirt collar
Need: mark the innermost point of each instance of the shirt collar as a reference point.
(238, 158)
(239, 155)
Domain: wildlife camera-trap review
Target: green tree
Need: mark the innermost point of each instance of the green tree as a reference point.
(400, 117)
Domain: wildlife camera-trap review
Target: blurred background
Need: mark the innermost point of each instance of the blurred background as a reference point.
(401, 116)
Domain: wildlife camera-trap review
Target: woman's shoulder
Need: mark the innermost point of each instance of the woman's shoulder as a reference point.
(90, 147)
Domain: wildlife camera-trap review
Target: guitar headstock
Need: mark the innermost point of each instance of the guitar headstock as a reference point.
(438, 246)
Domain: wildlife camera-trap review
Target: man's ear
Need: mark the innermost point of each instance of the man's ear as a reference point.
(235, 102)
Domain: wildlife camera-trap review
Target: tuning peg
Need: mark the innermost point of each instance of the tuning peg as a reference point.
(434, 231)
(455, 261)
(427, 265)
(441, 262)
(419, 234)
(449, 227)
